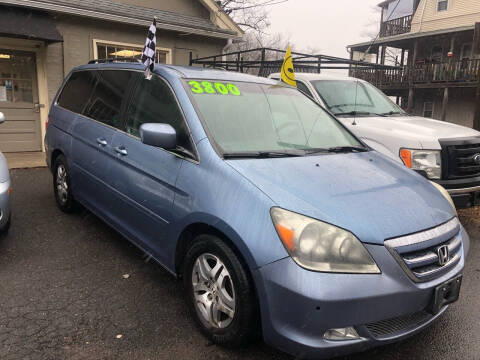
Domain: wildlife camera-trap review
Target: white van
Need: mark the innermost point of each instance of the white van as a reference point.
(445, 153)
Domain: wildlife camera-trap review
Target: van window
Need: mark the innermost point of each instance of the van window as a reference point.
(106, 101)
(154, 102)
(77, 91)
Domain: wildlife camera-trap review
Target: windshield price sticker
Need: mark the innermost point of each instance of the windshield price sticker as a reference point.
(208, 87)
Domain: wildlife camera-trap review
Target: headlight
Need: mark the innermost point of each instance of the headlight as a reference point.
(445, 194)
(319, 246)
(429, 161)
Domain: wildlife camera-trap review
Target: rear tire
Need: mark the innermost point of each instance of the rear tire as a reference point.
(6, 227)
(219, 292)
(61, 186)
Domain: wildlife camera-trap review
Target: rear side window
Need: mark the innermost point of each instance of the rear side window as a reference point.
(77, 91)
(106, 101)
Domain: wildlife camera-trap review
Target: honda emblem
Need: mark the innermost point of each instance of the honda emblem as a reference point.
(443, 255)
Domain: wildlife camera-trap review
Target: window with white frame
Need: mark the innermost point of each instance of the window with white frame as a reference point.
(442, 5)
(428, 109)
(119, 51)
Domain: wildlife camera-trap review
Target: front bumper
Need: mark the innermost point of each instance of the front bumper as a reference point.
(298, 306)
(4, 204)
(465, 193)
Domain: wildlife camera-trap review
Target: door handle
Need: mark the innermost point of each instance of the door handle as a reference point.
(102, 142)
(121, 150)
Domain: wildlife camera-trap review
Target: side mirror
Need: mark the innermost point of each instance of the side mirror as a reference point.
(159, 135)
(2, 118)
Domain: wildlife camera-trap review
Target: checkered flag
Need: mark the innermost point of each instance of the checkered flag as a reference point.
(148, 55)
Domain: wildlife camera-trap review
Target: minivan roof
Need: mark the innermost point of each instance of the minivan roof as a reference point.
(188, 72)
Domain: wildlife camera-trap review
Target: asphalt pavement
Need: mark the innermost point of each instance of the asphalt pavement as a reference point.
(73, 288)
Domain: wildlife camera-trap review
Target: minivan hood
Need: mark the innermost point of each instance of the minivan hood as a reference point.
(366, 193)
(425, 131)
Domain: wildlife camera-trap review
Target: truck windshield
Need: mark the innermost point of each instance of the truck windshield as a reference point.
(257, 118)
(347, 97)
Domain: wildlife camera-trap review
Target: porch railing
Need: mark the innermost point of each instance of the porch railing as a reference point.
(396, 26)
(456, 72)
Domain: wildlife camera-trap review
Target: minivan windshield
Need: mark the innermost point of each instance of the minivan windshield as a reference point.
(254, 118)
(347, 98)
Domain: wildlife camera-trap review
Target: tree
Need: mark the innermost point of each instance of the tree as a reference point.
(251, 15)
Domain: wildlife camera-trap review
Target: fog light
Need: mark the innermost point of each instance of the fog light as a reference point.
(348, 333)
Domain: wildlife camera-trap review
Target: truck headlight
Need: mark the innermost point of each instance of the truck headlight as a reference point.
(429, 161)
(319, 246)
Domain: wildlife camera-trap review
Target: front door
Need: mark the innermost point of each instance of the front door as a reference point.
(19, 102)
(144, 176)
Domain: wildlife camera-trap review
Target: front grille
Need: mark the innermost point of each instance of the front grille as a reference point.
(459, 160)
(418, 254)
(398, 325)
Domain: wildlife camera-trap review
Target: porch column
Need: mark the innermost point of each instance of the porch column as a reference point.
(411, 75)
(410, 100)
(384, 50)
(476, 40)
(445, 104)
(476, 54)
(476, 117)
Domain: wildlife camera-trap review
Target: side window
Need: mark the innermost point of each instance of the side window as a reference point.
(106, 101)
(154, 102)
(77, 91)
(442, 5)
(303, 88)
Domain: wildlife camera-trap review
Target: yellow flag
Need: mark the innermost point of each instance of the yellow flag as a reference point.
(288, 75)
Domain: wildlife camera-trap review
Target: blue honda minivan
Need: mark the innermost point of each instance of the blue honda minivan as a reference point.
(278, 219)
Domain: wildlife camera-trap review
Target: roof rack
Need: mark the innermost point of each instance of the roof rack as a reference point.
(266, 61)
(114, 60)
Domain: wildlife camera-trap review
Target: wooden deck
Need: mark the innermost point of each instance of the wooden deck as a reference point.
(465, 73)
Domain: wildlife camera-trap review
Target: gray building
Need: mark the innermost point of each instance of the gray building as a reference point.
(41, 41)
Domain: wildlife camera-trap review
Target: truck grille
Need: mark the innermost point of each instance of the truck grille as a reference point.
(459, 160)
(428, 254)
(398, 325)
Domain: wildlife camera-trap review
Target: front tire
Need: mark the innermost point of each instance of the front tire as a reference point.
(219, 292)
(61, 186)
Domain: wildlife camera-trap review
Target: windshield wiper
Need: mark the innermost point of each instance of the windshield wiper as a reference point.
(354, 113)
(340, 149)
(263, 154)
(393, 113)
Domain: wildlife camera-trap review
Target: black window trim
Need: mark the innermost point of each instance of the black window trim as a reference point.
(310, 95)
(127, 99)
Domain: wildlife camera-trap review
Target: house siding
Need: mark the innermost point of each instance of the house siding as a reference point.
(460, 13)
(78, 35)
(185, 7)
(460, 108)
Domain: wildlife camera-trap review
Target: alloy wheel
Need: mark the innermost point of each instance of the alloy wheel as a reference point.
(61, 183)
(213, 291)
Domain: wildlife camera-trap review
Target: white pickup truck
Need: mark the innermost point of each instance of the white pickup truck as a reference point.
(445, 153)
